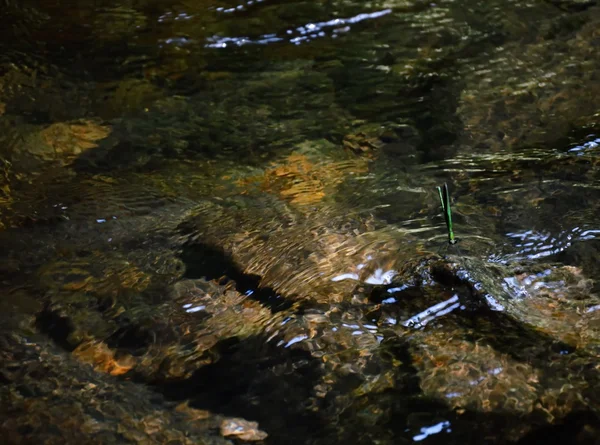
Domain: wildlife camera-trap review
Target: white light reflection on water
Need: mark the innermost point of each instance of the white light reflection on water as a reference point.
(433, 429)
(534, 245)
(304, 33)
(177, 41)
(190, 308)
(378, 277)
(521, 287)
(587, 146)
(170, 15)
(398, 289)
(302, 334)
(493, 304)
(381, 277)
(592, 309)
(433, 312)
(296, 339)
(167, 16)
(238, 7)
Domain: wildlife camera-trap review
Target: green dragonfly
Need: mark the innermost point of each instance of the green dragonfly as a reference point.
(445, 201)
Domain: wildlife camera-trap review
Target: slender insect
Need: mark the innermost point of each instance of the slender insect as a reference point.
(445, 201)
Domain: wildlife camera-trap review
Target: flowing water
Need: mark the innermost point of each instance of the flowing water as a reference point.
(219, 222)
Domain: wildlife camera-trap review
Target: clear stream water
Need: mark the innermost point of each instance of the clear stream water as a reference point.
(218, 222)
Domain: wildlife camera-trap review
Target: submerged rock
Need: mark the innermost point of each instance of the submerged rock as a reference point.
(160, 275)
(50, 397)
(242, 429)
(554, 299)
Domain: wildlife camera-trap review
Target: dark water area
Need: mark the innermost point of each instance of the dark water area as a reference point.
(219, 222)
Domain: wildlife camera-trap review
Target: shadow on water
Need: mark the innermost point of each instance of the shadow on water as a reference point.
(252, 375)
(257, 380)
(213, 263)
(278, 387)
(577, 427)
(260, 380)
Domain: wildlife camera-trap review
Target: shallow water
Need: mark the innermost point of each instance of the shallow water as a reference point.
(219, 213)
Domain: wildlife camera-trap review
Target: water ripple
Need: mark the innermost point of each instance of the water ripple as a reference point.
(533, 244)
(437, 310)
(586, 147)
(301, 34)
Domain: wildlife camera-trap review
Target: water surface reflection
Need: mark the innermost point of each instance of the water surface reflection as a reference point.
(219, 222)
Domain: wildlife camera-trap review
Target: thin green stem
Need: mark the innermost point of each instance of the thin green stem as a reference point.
(448, 210)
(444, 195)
(439, 189)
